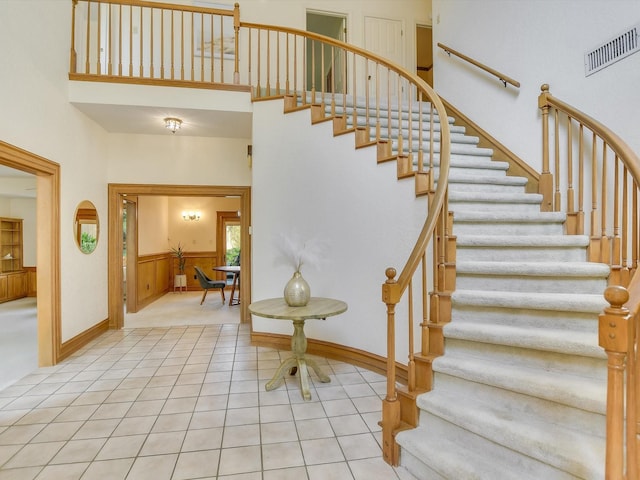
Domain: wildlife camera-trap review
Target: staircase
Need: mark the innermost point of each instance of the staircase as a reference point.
(520, 392)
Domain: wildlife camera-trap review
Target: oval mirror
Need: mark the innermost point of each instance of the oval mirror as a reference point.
(86, 226)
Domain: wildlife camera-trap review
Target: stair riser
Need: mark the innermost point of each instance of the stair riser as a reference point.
(519, 283)
(402, 124)
(520, 253)
(481, 169)
(415, 115)
(458, 149)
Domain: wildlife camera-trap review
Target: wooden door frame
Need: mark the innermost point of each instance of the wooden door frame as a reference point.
(116, 194)
(47, 247)
(131, 202)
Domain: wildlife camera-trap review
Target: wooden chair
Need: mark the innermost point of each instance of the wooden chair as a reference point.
(206, 283)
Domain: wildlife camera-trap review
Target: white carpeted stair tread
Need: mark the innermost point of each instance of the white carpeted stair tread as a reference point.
(456, 148)
(522, 240)
(506, 217)
(441, 450)
(576, 302)
(543, 269)
(568, 450)
(583, 343)
(461, 177)
(456, 138)
(492, 197)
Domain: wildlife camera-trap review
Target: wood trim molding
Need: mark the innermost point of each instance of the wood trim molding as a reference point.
(517, 166)
(48, 246)
(342, 353)
(74, 344)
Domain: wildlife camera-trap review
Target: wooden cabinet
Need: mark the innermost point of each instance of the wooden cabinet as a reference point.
(13, 277)
(10, 245)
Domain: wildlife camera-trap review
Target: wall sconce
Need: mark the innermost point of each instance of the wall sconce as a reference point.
(250, 155)
(172, 124)
(191, 216)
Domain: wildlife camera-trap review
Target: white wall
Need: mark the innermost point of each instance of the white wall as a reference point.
(535, 42)
(177, 160)
(329, 191)
(153, 224)
(36, 116)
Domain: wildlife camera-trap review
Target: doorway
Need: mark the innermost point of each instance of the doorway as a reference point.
(117, 193)
(424, 53)
(50, 348)
(326, 69)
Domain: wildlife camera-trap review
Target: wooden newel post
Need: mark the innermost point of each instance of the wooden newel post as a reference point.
(390, 405)
(545, 183)
(613, 331)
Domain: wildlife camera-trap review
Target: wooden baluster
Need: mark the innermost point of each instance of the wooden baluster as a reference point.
(131, 40)
(615, 241)
(354, 112)
(580, 216)
(277, 63)
(162, 44)
(236, 40)
(411, 365)
(613, 337)
(605, 249)
(313, 71)
(172, 39)
(624, 274)
(202, 47)
(409, 124)
(594, 245)
(557, 198)
(259, 60)
(424, 326)
(286, 82)
(73, 54)
(634, 229)
(391, 404)
(99, 36)
(546, 179)
(141, 37)
(87, 67)
(420, 133)
(182, 45)
(377, 100)
(151, 64)
(268, 63)
(333, 82)
(571, 227)
(120, 41)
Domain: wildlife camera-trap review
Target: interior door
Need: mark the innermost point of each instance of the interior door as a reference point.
(424, 53)
(228, 240)
(384, 37)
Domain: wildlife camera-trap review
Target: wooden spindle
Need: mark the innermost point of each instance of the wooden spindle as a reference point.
(236, 28)
(546, 180)
(87, 67)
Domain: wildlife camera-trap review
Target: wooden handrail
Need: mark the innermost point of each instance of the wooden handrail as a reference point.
(502, 77)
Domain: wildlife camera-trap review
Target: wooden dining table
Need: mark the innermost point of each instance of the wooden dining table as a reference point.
(235, 271)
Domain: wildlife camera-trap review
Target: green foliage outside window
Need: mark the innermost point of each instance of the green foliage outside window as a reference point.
(87, 242)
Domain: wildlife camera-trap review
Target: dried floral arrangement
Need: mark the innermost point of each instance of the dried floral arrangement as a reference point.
(296, 251)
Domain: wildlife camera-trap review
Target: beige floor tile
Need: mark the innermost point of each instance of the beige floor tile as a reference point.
(20, 434)
(163, 443)
(330, 471)
(199, 464)
(67, 471)
(121, 447)
(208, 419)
(240, 460)
(243, 400)
(278, 432)
(79, 451)
(360, 446)
(242, 416)
(295, 473)
(203, 439)
(281, 455)
(111, 469)
(35, 454)
(335, 408)
(371, 469)
(314, 428)
(348, 425)
(28, 473)
(241, 436)
(275, 413)
(134, 425)
(306, 411)
(96, 429)
(323, 450)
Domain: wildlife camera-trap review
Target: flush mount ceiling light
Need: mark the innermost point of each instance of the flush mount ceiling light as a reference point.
(172, 124)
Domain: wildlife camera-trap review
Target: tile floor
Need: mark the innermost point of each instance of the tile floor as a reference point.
(188, 402)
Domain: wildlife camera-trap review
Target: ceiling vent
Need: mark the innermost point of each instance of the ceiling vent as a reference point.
(610, 52)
